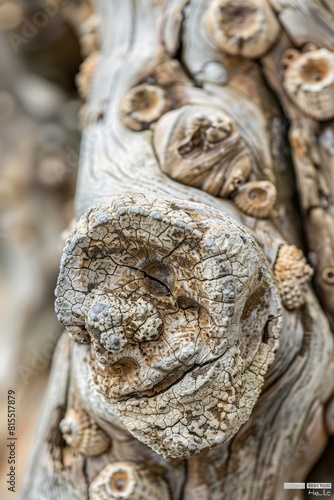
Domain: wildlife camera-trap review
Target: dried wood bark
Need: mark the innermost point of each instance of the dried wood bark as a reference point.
(200, 362)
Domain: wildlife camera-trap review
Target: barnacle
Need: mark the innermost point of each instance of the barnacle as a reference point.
(242, 27)
(172, 295)
(256, 198)
(201, 146)
(85, 76)
(81, 433)
(127, 480)
(309, 82)
(292, 273)
(143, 105)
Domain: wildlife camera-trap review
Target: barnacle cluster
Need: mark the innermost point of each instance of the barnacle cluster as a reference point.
(292, 274)
(201, 146)
(143, 105)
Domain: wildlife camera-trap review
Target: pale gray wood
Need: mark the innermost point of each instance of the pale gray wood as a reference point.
(285, 433)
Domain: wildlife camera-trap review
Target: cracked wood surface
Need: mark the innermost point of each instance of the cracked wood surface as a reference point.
(198, 352)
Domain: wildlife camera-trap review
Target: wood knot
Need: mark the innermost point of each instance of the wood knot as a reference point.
(127, 480)
(172, 294)
(245, 28)
(201, 147)
(144, 105)
(309, 81)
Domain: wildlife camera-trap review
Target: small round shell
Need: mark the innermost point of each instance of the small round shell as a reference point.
(83, 434)
(85, 76)
(144, 105)
(256, 198)
(127, 480)
(292, 273)
(309, 82)
(246, 28)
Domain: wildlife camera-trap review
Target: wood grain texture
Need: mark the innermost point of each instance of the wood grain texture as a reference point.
(168, 359)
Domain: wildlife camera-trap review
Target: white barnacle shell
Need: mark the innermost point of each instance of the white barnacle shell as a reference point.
(246, 28)
(256, 198)
(143, 105)
(201, 146)
(81, 433)
(127, 480)
(309, 82)
(292, 274)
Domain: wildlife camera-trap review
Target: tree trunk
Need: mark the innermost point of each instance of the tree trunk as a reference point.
(199, 363)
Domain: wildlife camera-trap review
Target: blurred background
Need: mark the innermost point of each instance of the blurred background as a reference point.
(43, 43)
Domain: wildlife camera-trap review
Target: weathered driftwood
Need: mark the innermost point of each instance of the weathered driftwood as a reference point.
(200, 362)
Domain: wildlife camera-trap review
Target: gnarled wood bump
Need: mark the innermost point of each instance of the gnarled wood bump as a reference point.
(245, 28)
(201, 147)
(182, 313)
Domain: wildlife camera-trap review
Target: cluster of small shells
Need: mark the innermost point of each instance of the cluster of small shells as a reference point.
(292, 274)
(82, 434)
(309, 81)
(246, 28)
(127, 480)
